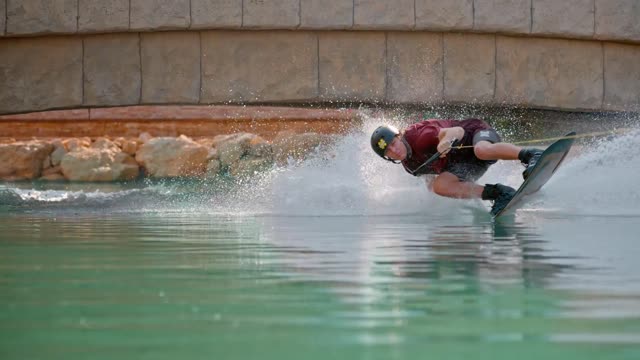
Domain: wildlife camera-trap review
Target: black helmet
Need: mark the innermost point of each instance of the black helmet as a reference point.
(381, 138)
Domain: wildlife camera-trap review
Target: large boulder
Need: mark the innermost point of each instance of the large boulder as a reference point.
(289, 145)
(249, 166)
(23, 160)
(232, 147)
(103, 161)
(173, 157)
(243, 153)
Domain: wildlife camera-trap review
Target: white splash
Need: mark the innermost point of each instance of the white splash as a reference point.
(599, 179)
(349, 179)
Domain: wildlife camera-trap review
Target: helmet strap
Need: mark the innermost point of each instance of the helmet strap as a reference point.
(406, 144)
(392, 160)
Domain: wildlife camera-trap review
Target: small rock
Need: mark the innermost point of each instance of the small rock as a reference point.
(76, 143)
(144, 137)
(57, 154)
(130, 147)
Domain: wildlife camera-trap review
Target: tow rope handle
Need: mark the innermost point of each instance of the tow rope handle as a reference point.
(455, 144)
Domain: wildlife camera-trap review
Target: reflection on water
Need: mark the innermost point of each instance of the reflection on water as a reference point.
(205, 286)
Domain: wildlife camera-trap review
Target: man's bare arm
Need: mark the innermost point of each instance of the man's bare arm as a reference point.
(448, 135)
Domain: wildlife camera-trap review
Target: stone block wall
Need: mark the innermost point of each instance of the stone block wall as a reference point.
(470, 68)
(591, 19)
(159, 14)
(3, 17)
(111, 70)
(383, 14)
(444, 15)
(414, 67)
(259, 67)
(103, 16)
(572, 54)
(352, 66)
(170, 66)
(29, 17)
(214, 67)
(326, 14)
(550, 73)
(33, 81)
(567, 18)
(617, 20)
(506, 16)
(622, 78)
(271, 14)
(216, 14)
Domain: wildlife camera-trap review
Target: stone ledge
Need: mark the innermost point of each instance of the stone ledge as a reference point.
(176, 120)
(615, 20)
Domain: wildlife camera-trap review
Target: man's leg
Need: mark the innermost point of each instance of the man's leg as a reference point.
(485, 150)
(449, 185)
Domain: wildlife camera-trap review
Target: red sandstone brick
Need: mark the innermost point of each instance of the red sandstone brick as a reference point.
(193, 121)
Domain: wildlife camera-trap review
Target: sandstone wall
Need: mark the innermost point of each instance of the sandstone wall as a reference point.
(306, 66)
(572, 54)
(589, 19)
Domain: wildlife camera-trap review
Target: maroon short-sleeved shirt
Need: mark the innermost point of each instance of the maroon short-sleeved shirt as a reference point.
(423, 139)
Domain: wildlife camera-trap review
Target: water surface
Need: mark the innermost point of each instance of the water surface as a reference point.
(339, 257)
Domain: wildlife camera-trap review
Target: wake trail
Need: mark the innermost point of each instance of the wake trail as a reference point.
(348, 179)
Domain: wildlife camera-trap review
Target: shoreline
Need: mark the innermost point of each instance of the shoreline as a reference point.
(192, 121)
(128, 143)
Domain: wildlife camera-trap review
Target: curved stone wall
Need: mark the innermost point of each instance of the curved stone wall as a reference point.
(572, 54)
(588, 19)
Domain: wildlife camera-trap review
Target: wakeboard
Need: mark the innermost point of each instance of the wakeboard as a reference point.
(544, 168)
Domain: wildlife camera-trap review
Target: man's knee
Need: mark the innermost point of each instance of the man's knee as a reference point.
(429, 180)
(442, 184)
(483, 150)
(438, 188)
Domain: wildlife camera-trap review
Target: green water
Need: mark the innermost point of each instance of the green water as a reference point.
(207, 286)
(341, 257)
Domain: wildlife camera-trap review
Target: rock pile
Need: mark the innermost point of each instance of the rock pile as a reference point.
(122, 159)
